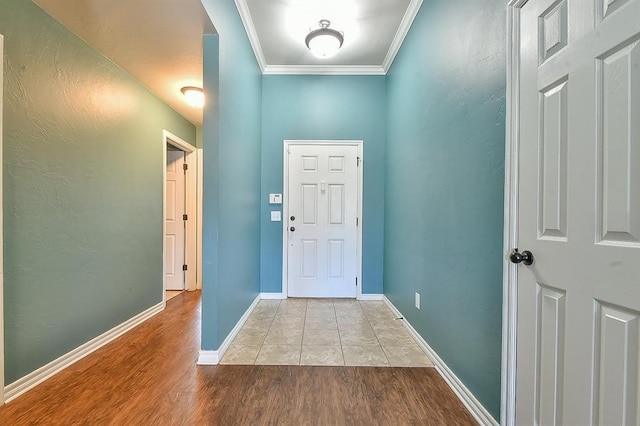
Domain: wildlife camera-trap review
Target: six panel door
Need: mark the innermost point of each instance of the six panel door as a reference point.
(322, 230)
(578, 331)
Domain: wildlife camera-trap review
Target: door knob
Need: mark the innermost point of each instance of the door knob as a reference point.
(293, 228)
(525, 257)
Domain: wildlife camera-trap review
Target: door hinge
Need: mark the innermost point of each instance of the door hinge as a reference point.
(356, 281)
(184, 267)
(358, 161)
(185, 217)
(185, 166)
(356, 221)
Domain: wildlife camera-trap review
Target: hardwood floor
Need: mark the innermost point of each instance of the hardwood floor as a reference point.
(149, 377)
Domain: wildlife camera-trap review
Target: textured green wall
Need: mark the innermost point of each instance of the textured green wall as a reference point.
(82, 190)
(444, 186)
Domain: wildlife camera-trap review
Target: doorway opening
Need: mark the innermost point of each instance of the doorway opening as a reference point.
(322, 210)
(181, 243)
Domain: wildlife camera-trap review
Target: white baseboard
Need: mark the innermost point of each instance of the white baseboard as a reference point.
(474, 406)
(208, 358)
(214, 357)
(277, 296)
(38, 376)
(370, 297)
(273, 296)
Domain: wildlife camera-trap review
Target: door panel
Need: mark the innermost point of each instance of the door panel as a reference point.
(578, 327)
(322, 198)
(619, 144)
(617, 349)
(552, 214)
(336, 205)
(309, 204)
(550, 335)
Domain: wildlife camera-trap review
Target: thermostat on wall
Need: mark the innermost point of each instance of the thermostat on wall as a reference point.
(275, 198)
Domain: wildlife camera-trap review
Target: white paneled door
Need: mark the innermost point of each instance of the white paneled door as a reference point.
(175, 225)
(578, 309)
(322, 197)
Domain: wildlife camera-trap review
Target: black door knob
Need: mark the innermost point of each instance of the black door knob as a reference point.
(525, 257)
(293, 228)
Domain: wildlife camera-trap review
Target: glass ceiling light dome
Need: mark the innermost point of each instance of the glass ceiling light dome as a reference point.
(194, 96)
(324, 42)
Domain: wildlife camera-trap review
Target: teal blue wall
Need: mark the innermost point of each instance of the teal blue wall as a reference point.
(83, 162)
(444, 186)
(324, 107)
(231, 211)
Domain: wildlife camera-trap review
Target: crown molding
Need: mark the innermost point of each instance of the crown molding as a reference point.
(324, 69)
(245, 16)
(403, 30)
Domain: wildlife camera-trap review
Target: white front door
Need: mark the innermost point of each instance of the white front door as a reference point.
(175, 225)
(322, 196)
(578, 309)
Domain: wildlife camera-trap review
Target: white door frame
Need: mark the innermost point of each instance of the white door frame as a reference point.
(192, 239)
(511, 168)
(285, 213)
(1, 228)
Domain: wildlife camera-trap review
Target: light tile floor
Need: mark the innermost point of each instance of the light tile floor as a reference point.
(324, 332)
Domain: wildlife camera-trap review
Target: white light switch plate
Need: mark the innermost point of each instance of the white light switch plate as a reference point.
(276, 216)
(275, 198)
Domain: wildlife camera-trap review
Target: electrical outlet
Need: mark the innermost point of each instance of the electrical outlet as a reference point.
(417, 300)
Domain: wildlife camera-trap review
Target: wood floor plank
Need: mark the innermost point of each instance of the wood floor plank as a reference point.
(149, 377)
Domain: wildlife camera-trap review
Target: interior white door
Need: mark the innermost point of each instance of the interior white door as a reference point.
(175, 225)
(578, 322)
(322, 206)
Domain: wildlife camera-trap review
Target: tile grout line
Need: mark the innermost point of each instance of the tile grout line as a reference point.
(366, 315)
(265, 336)
(304, 327)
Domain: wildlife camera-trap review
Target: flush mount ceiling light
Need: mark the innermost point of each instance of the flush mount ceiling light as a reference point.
(324, 42)
(194, 96)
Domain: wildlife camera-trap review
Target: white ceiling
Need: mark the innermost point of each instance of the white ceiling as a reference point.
(159, 42)
(373, 32)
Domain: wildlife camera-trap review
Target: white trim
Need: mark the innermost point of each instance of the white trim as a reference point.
(208, 358)
(273, 296)
(382, 69)
(193, 250)
(360, 218)
(245, 16)
(403, 30)
(200, 177)
(474, 406)
(285, 200)
(38, 376)
(214, 357)
(510, 274)
(324, 70)
(1, 228)
(370, 297)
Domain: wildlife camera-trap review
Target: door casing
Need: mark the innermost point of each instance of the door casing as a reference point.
(192, 244)
(285, 213)
(511, 167)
